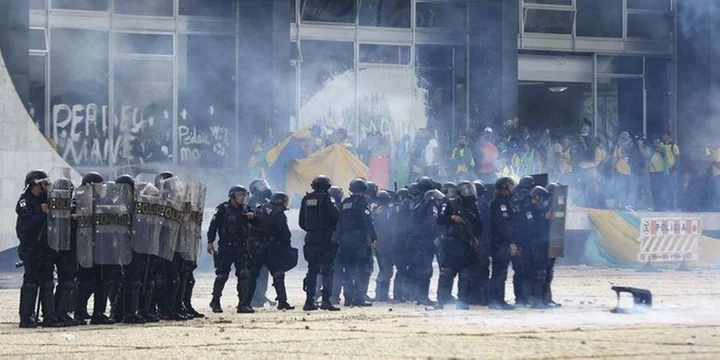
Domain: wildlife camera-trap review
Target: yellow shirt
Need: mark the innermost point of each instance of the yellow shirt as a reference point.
(672, 150)
(656, 162)
(622, 166)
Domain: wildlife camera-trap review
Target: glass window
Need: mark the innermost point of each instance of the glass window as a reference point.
(38, 41)
(632, 65)
(144, 111)
(392, 13)
(550, 2)
(37, 4)
(79, 96)
(145, 7)
(88, 5)
(153, 44)
(384, 54)
(340, 11)
(446, 16)
(36, 108)
(599, 18)
(548, 21)
(649, 26)
(207, 100)
(659, 5)
(434, 56)
(218, 8)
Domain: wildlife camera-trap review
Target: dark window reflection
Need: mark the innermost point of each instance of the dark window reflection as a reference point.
(659, 5)
(599, 18)
(144, 111)
(342, 11)
(79, 96)
(548, 21)
(88, 5)
(207, 101)
(649, 26)
(549, 2)
(620, 65)
(36, 108)
(218, 8)
(446, 16)
(37, 4)
(37, 40)
(154, 44)
(384, 54)
(387, 13)
(145, 7)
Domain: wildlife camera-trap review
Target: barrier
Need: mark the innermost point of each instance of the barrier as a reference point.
(669, 239)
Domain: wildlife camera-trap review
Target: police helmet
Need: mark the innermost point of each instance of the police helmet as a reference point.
(261, 187)
(551, 187)
(400, 195)
(479, 187)
(164, 176)
(321, 183)
(504, 183)
(280, 198)
(237, 189)
(125, 179)
(36, 177)
(358, 186)
(336, 192)
(424, 184)
(413, 190)
(448, 188)
(433, 195)
(372, 188)
(527, 182)
(92, 178)
(466, 190)
(540, 192)
(383, 198)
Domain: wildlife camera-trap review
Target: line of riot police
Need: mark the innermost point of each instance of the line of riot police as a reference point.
(131, 243)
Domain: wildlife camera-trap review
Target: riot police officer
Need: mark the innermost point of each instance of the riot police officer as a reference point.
(357, 237)
(423, 233)
(479, 276)
(319, 217)
(260, 193)
(371, 193)
(37, 257)
(522, 233)
(339, 272)
(272, 252)
(461, 244)
(66, 263)
(383, 224)
(502, 243)
(539, 246)
(550, 270)
(401, 218)
(449, 189)
(230, 222)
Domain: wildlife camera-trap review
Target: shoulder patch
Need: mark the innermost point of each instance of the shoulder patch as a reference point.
(503, 208)
(311, 202)
(268, 210)
(367, 212)
(529, 215)
(347, 206)
(22, 203)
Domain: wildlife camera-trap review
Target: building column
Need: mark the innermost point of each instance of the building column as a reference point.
(15, 42)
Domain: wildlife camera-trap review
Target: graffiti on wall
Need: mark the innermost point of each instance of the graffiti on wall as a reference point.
(206, 142)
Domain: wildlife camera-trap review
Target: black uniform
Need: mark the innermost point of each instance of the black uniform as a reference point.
(522, 231)
(480, 275)
(66, 263)
(37, 258)
(401, 218)
(319, 218)
(231, 224)
(501, 220)
(459, 248)
(421, 249)
(355, 233)
(259, 296)
(540, 263)
(268, 250)
(383, 225)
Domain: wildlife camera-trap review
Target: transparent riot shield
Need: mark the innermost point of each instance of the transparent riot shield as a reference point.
(171, 192)
(83, 198)
(111, 220)
(191, 229)
(556, 237)
(60, 194)
(146, 219)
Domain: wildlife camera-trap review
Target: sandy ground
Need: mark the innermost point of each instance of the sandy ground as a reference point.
(685, 323)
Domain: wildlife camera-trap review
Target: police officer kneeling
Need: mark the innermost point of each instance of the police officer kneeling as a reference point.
(231, 221)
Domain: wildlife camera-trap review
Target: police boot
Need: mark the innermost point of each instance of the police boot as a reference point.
(180, 299)
(82, 295)
(132, 304)
(382, 288)
(279, 285)
(218, 287)
(243, 287)
(47, 299)
(424, 293)
(28, 298)
(117, 303)
(146, 301)
(188, 298)
(100, 304)
(63, 303)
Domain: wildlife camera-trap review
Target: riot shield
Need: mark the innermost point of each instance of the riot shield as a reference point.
(60, 194)
(111, 219)
(191, 229)
(146, 218)
(83, 197)
(556, 237)
(171, 193)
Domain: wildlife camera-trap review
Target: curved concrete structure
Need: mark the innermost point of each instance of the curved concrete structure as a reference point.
(22, 148)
